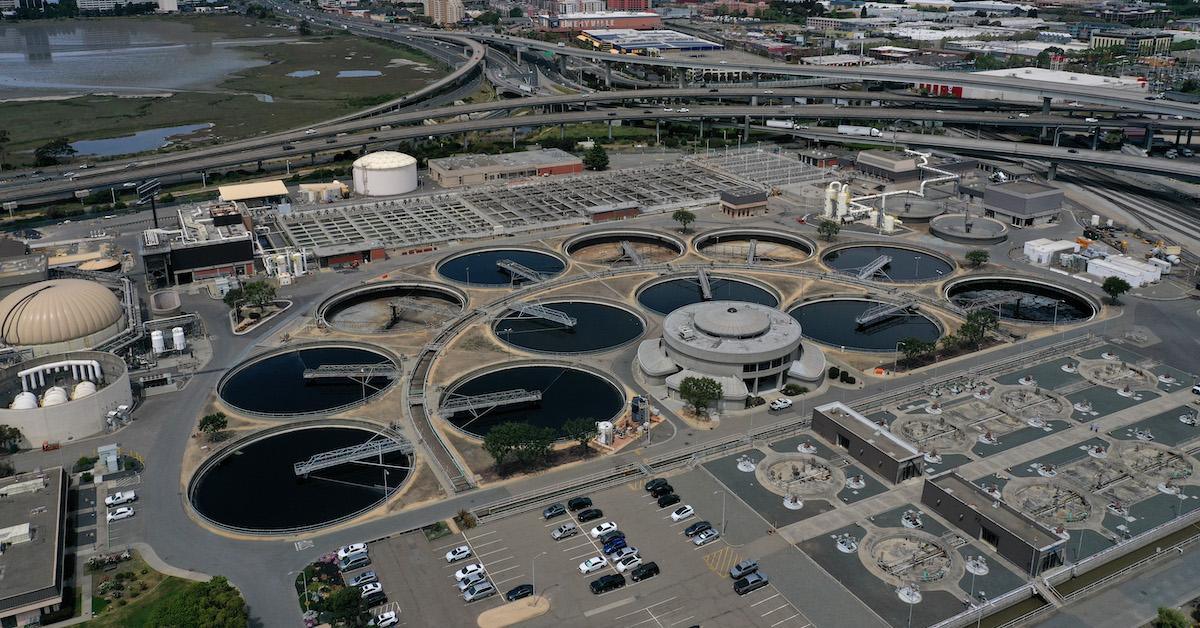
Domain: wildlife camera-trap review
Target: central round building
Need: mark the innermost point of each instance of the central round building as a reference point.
(747, 347)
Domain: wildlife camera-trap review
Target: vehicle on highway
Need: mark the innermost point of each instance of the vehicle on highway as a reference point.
(331, 140)
(479, 591)
(684, 110)
(670, 499)
(311, 132)
(662, 489)
(1072, 150)
(654, 483)
(130, 184)
(118, 514)
(705, 537)
(612, 113)
(69, 175)
(458, 553)
(668, 110)
(646, 570)
(611, 536)
(752, 582)
(579, 503)
(518, 592)
(564, 531)
(389, 618)
(600, 530)
(591, 514)
(768, 91)
(370, 588)
(781, 404)
(1187, 152)
(604, 584)
(592, 564)
(1091, 120)
(1022, 115)
(743, 569)
(1171, 154)
(681, 513)
(288, 147)
(365, 577)
(553, 510)
(353, 548)
(697, 528)
(120, 497)
(468, 571)
(628, 563)
(1196, 388)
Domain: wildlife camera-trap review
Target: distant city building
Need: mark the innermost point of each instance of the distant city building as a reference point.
(576, 22)
(444, 11)
(628, 5)
(1134, 42)
(1130, 14)
(581, 6)
(630, 41)
(462, 170)
(948, 88)
(211, 241)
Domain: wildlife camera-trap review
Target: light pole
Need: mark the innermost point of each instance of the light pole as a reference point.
(533, 568)
(722, 510)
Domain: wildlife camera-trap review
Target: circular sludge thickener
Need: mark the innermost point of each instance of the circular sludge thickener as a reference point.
(569, 326)
(567, 393)
(500, 267)
(666, 296)
(833, 322)
(759, 246)
(900, 264)
(253, 486)
(1022, 299)
(391, 306)
(385, 173)
(612, 247)
(274, 383)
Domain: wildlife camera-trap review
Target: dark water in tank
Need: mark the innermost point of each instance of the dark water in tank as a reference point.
(671, 295)
(566, 394)
(832, 322)
(597, 326)
(277, 385)
(906, 264)
(256, 487)
(481, 268)
(1038, 303)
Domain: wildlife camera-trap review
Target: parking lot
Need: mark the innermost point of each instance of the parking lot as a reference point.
(693, 588)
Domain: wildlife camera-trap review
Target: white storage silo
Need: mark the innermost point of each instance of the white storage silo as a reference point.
(157, 343)
(24, 400)
(56, 395)
(385, 173)
(604, 431)
(178, 338)
(83, 389)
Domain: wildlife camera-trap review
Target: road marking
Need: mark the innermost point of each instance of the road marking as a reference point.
(445, 547)
(497, 583)
(789, 618)
(495, 551)
(304, 544)
(584, 555)
(575, 547)
(777, 608)
(500, 571)
(489, 543)
(680, 621)
(608, 607)
(477, 537)
(766, 599)
(647, 607)
(721, 560)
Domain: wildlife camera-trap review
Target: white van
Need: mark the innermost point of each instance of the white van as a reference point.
(479, 591)
(354, 561)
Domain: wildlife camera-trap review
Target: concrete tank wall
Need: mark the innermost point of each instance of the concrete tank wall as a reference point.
(74, 419)
(385, 181)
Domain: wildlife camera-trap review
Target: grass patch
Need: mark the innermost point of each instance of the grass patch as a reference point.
(136, 612)
(435, 531)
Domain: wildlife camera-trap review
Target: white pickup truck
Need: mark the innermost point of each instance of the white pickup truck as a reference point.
(120, 497)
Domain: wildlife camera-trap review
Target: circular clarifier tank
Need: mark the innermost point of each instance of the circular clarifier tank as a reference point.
(486, 267)
(254, 486)
(391, 306)
(274, 383)
(833, 322)
(612, 247)
(668, 295)
(905, 264)
(769, 247)
(569, 326)
(567, 393)
(1025, 300)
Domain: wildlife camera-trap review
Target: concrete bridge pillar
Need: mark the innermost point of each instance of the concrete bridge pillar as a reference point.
(1148, 143)
(681, 79)
(464, 141)
(610, 130)
(1053, 171)
(746, 130)
(754, 101)
(260, 164)
(755, 79)
(1057, 134)
(1095, 138)
(312, 158)
(1045, 105)
(702, 127)
(1178, 136)
(607, 75)
(1189, 137)
(562, 131)
(514, 137)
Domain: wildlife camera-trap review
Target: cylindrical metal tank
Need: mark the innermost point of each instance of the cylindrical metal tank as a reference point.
(605, 432)
(157, 343)
(24, 401)
(178, 339)
(54, 396)
(83, 389)
(385, 173)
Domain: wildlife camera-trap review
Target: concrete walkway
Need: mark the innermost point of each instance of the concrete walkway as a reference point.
(161, 566)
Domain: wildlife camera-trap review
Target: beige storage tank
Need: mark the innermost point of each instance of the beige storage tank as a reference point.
(385, 173)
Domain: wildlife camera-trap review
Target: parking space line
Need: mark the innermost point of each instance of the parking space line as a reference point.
(608, 607)
(492, 573)
(490, 543)
(766, 599)
(680, 621)
(495, 551)
(647, 607)
(587, 554)
(500, 582)
(777, 608)
(575, 547)
(789, 618)
(478, 536)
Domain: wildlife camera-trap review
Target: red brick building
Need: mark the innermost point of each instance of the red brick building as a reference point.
(576, 22)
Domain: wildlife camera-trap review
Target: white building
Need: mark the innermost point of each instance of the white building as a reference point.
(444, 11)
(1136, 272)
(1045, 252)
(1032, 74)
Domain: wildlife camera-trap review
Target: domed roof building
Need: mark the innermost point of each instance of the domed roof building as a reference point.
(60, 315)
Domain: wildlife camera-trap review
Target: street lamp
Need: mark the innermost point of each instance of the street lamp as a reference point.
(533, 568)
(722, 510)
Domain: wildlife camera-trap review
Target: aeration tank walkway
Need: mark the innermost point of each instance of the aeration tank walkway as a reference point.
(533, 310)
(885, 310)
(990, 300)
(353, 453)
(631, 253)
(876, 265)
(705, 287)
(752, 252)
(487, 401)
(352, 371)
(519, 270)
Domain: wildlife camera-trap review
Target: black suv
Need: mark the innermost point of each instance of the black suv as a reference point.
(553, 510)
(579, 503)
(608, 536)
(662, 489)
(604, 584)
(643, 571)
(655, 483)
(697, 528)
(591, 514)
(670, 499)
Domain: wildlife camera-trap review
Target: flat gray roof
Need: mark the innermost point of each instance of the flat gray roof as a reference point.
(1002, 515)
(1024, 188)
(885, 441)
(31, 572)
(528, 158)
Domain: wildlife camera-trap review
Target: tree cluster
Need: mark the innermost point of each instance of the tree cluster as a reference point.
(700, 392)
(519, 443)
(213, 424)
(1114, 287)
(973, 331)
(212, 604)
(596, 158)
(828, 230)
(53, 152)
(684, 218)
(256, 294)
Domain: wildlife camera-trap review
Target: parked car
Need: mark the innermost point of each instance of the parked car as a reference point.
(781, 404)
(458, 553)
(706, 537)
(377, 598)
(353, 548)
(655, 483)
(592, 564)
(519, 592)
(471, 580)
(681, 513)
(662, 489)
(668, 500)
(646, 570)
(365, 577)
(371, 587)
(591, 514)
(389, 618)
(468, 571)
(354, 561)
(750, 583)
(614, 545)
(579, 503)
(743, 569)
(628, 563)
(604, 584)
(118, 514)
(123, 497)
(564, 531)
(624, 552)
(697, 528)
(600, 530)
(607, 537)
(479, 591)
(554, 510)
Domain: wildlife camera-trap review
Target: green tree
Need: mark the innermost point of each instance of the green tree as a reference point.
(305, 29)
(684, 218)
(258, 294)
(1171, 618)
(915, 348)
(4, 140)
(519, 442)
(978, 258)
(501, 442)
(516, 12)
(346, 604)
(976, 326)
(53, 152)
(212, 604)
(828, 229)
(700, 392)
(213, 424)
(581, 430)
(1114, 287)
(10, 437)
(596, 158)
